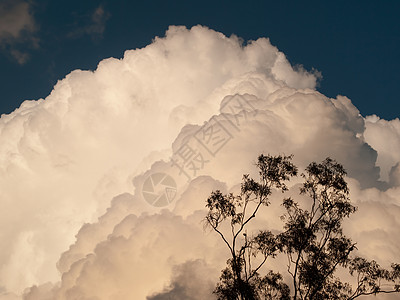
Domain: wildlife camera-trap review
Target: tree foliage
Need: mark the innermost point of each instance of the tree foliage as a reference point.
(312, 238)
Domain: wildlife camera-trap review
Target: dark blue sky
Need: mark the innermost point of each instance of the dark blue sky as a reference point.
(355, 44)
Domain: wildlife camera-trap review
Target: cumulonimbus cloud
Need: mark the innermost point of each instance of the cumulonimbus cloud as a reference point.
(101, 135)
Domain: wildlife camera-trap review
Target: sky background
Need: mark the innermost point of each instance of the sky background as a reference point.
(353, 44)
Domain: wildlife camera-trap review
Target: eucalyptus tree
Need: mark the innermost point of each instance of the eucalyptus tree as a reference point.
(312, 238)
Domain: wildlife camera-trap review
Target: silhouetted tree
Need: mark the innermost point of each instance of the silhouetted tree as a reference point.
(241, 280)
(312, 238)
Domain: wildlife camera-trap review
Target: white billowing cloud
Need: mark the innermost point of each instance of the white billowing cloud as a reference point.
(140, 254)
(191, 281)
(101, 135)
(376, 224)
(271, 126)
(384, 136)
(63, 158)
(136, 264)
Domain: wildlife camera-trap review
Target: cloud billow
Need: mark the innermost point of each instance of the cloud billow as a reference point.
(99, 135)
